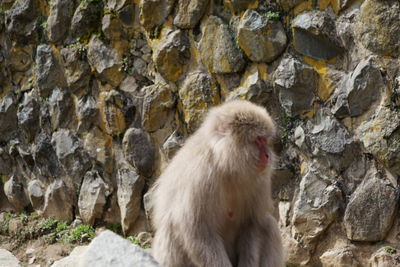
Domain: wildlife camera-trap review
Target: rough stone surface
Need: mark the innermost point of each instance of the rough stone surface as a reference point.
(72, 259)
(139, 151)
(385, 257)
(360, 90)
(261, 39)
(112, 106)
(48, 72)
(239, 5)
(339, 257)
(379, 26)
(28, 116)
(172, 55)
(86, 19)
(198, 94)
(8, 118)
(130, 184)
(105, 61)
(58, 202)
(381, 137)
(296, 83)
(36, 194)
(14, 191)
(22, 21)
(317, 206)
(45, 157)
(154, 12)
(189, 13)
(8, 259)
(371, 209)
(77, 69)
(61, 12)
(314, 35)
(218, 51)
(92, 197)
(109, 248)
(70, 154)
(157, 106)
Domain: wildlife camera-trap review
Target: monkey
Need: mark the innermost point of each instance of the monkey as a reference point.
(212, 205)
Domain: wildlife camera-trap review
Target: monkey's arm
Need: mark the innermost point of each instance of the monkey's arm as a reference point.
(249, 246)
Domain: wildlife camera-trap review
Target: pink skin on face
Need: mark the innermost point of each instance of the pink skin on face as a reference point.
(263, 159)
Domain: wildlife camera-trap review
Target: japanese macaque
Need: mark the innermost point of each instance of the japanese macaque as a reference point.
(212, 205)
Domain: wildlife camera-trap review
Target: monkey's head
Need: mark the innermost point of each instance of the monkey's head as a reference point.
(242, 133)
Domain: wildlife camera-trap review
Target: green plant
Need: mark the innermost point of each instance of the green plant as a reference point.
(135, 240)
(155, 32)
(115, 227)
(77, 233)
(48, 225)
(273, 15)
(113, 13)
(390, 250)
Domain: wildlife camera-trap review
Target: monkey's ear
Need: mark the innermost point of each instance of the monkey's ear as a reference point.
(223, 128)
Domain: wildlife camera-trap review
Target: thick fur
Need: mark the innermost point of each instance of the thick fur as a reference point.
(212, 206)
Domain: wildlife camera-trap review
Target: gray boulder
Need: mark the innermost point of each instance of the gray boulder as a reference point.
(28, 116)
(59, 201)
(8, 118)
(189, 13)
(86, 18)
(261, 39)
(58, 22)
(36, 194)
(8, 259)
(14, 191)
(371, 209)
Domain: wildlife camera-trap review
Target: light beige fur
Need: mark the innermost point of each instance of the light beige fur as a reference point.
(216, 175)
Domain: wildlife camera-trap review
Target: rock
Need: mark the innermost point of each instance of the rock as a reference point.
(189, 13)
(330, 141)
(381, 137)
(59, 202)
(111, 105)
(261, 39)
(8, 118)
(385, 257)
(21, 58)
(197, 94)
(28, 116)
(36, 194)
(139, 151)
(58, 22)
(218, 50)
(239, 5)
(112, 28)
(14, 191)
(49, 74)
(172, 55)
(61, 108)
(295, 252)
(154, 12)
(252, 87)
(8, 259)
(22, 21)
(317, 206)
(71, 155)
(289, 4)
(72, 259)
(92, 197)
(110, 248)
(130, 186)
(88, 113)
(314, 35)
(86, 19)
(359, 91)
(126, 15)
(378, 27)
(364, 218)
(99, 147)
(105, 61)
(173, 143)
(297, 83)
(158, 106)
(77, 70)
(46, 161)
(6, 162)
(339, 257)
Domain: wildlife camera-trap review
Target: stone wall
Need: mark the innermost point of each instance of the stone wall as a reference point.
(97, 95)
